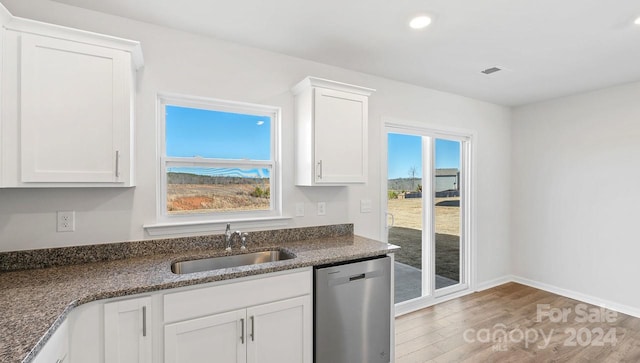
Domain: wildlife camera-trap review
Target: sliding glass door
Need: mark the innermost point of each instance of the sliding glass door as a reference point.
(426, 199)
(446, 212)
(405, 211)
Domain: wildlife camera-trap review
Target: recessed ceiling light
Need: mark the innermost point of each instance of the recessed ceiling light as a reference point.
(420, 22)
(637, 21)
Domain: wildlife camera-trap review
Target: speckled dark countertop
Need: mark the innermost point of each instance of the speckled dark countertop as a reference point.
(34, 302)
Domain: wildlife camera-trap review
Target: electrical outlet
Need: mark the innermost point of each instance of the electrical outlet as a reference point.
(299, 209)
(66, 221)
(322, 208)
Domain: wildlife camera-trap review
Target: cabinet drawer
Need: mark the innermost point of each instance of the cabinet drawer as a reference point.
(234, 295)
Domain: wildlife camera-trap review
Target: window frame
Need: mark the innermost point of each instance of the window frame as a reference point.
(165, 162)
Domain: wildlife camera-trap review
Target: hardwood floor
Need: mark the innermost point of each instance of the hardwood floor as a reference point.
(516, 323)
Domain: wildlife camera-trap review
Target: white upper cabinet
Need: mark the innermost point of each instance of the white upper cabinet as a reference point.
(68, 107)
(331, 121)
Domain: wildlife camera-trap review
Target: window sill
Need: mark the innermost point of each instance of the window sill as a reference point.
(214, 227)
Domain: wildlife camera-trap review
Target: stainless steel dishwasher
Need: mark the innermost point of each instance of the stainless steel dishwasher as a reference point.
(352, 312)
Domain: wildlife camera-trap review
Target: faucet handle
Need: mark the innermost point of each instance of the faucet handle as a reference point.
(243, 239)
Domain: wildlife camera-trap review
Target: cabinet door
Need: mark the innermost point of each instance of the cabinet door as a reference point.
(280, 332)
(218, 338)
(127, 331)
(75, 111)
(340, 127)
(56, 349)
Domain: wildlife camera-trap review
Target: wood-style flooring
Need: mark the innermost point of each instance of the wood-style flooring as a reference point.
(516, 323)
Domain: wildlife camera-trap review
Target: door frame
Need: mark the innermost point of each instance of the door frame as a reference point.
(468, 211)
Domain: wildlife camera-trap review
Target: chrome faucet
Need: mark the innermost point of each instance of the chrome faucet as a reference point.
(229, 238)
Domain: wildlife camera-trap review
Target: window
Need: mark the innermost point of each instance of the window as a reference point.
(219, 159)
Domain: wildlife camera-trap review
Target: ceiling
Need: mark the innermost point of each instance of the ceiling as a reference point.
(547, 48)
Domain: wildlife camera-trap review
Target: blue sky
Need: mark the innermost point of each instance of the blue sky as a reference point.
(213, 134)
(405, 152)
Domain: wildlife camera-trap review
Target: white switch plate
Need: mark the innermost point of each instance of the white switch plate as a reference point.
(322, 208)
(299, 209)
(365, 206)
(66, 221)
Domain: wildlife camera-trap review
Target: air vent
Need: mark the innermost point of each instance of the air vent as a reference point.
(491, 70)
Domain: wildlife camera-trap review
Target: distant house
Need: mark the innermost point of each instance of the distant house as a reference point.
(447, 179)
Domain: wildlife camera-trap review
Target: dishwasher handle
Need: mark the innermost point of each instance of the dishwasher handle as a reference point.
(336, 279)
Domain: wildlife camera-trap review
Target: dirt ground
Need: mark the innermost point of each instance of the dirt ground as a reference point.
(407, 233)
(183, 198)
(407, 213)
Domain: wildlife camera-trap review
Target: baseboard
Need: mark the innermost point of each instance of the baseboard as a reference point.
(625, 309)
(418, 304)
(621, 308)
(493, 283)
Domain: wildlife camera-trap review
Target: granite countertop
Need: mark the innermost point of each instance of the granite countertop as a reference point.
(35, 302)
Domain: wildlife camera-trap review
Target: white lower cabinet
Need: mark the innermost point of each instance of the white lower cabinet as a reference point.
(256, 319)
(280, 332)
(127, 331)
(277, 332)
(216, 338)
(57, 348)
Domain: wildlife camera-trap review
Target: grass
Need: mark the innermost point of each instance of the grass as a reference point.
(407, 233)
(447, 250)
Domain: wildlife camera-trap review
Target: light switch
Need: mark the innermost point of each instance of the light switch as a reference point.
(299, 209)
(365, 206)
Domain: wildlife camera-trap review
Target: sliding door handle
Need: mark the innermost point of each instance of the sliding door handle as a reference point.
(393, 219)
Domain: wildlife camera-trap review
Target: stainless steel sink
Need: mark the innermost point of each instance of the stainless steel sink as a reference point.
(216, 263)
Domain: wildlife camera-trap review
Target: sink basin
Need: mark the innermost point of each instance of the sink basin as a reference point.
(215, 263)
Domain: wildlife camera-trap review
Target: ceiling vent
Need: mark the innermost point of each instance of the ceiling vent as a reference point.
(491, 70)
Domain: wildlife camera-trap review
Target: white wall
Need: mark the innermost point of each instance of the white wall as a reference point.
(185, 63)
(575, 170)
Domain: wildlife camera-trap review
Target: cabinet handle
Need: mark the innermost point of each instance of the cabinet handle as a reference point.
(117, 163)
(144, 321)
(253, 329)
(320, 169)
(242, 330)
